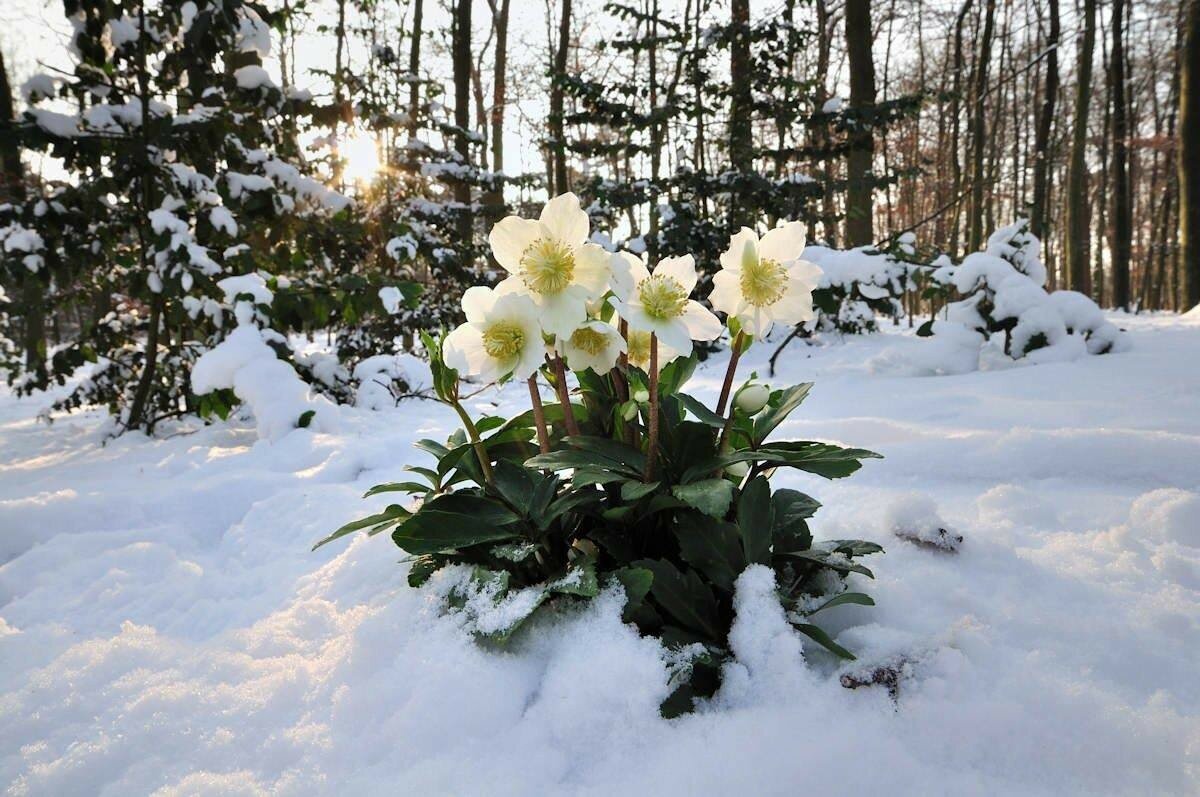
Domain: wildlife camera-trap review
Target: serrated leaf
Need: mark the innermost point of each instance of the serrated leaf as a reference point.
(710, 496)
(632, 491)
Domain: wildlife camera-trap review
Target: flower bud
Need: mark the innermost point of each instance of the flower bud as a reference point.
(641, 396)
(752, 397)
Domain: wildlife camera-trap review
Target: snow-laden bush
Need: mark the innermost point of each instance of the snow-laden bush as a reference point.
(636, 485)
(1003, 295)
(856, 284)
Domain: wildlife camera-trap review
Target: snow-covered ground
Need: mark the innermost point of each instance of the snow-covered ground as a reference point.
(165, 629)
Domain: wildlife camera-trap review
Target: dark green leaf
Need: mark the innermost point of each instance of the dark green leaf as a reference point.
(711, 546)
(397, 487)
(780, 405)
(819, 636)
(710, 496)
(613, 450)
(684, 596)
(756, 520)
(703, 413)
(857, 598)
(393, 514)
(631, 491)
(455, 520)
(305, 419)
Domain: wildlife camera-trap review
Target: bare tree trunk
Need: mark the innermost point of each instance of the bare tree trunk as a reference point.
(955, 113)
(461, 55)
(1076, 239)
(1045, 122)
(499, 94)
(1122, 211)
(557, 135)
(414, 65)
(1189, 156)
(741, 142)
(859, 177)
(824, 45)
(12, 189)
(978, 128)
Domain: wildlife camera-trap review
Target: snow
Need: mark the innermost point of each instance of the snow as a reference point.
(270, 387)
(252, 77)
(164, 627)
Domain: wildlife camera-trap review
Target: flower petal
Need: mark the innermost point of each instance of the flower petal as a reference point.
(731, 258)
(510, 238)
(726, 293)
(806, 271)
(784, 243)
(565, 220)
(701, 324)
(675, 334)
(681, 269)
(627, 271)
(560, 315)
(463, 349)
(478, 301)
(593, 269)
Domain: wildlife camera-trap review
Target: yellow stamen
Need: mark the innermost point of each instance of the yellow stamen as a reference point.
(639, 348)
(589, 340)
(547, 266)
(503, 340)
(764, 281)
(662, 297)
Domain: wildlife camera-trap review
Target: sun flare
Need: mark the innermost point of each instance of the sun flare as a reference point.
(360, 152)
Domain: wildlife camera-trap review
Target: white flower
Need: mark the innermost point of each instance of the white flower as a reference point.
(752, 397)
(762, 282)
(551, 261)
(502, 336)
(659, 302)
(594, 344)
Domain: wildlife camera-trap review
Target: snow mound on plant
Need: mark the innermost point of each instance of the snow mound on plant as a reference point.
(278, 397)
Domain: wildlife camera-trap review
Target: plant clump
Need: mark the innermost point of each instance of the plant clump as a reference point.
(627, 479)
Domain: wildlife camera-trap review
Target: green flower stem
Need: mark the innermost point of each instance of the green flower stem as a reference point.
(652, 440)
(485, 462)
(564, 397)
(736, 355)
(539, 414)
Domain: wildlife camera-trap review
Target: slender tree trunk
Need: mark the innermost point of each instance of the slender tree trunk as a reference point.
(461, 55)
(955, 133)
(859, 177)
(1042, 142)
(978, 128)
(741, 142)
(1076, 239)
(499, 95)
(558, 136)
(414, 65)
(12, 189)
(1122, 210)
(824, 46)
(1189, 156)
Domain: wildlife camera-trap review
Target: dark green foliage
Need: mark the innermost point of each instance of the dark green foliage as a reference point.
(568, 523)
